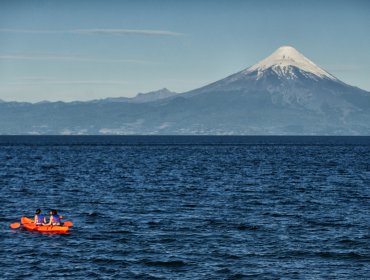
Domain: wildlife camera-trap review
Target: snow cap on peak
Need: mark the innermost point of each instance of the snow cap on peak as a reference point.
(286, 56)
(286, 49)
(287, 52)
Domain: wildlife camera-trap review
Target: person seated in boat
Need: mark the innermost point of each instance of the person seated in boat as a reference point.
(55, 219)
(39, 219)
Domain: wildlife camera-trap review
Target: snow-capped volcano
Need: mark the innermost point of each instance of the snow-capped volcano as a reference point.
(286, 93)
(283, 61)
(285, 70)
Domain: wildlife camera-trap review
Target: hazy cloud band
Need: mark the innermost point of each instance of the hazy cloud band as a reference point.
(68, 58)
(102, 31)
(126, 32)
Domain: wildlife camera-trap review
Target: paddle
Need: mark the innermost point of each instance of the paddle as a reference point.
(15, 225)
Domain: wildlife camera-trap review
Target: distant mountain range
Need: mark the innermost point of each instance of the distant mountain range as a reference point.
(284, 94)
(142, 97)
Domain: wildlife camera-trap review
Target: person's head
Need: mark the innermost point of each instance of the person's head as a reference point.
(53, 212)
(38, 211)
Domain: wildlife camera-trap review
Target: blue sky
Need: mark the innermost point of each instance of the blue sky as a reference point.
(83, 50)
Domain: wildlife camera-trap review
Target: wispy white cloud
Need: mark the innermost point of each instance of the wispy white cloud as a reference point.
(101, 31)
(29, 31)
(50, 81)
(125, 32)
(87, 82)
(61, 57)
(20, 56)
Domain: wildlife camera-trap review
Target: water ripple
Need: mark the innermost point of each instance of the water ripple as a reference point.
(266, 209)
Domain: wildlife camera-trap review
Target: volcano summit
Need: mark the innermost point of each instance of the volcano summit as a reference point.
(283, 94)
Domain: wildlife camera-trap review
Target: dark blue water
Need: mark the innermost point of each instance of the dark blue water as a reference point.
(188, 207)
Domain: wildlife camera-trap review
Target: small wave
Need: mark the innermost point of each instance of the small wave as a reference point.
(347, 255)
(224, 271)
(92, 214)
(103, 261)
(247, 227)
(329, 223)
(349, 241)
(153, 223)
(326, 254)
(215, 222)
(123, 231)
(190, 205)
(237, 276)
(233, 257)
(175, 263)
(144, 276)
(167, 240)
(49, 166)
(38, 180)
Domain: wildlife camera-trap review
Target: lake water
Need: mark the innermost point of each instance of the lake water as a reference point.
(188, 207)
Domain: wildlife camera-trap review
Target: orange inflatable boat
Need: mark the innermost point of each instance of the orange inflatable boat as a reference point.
(30, 225)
